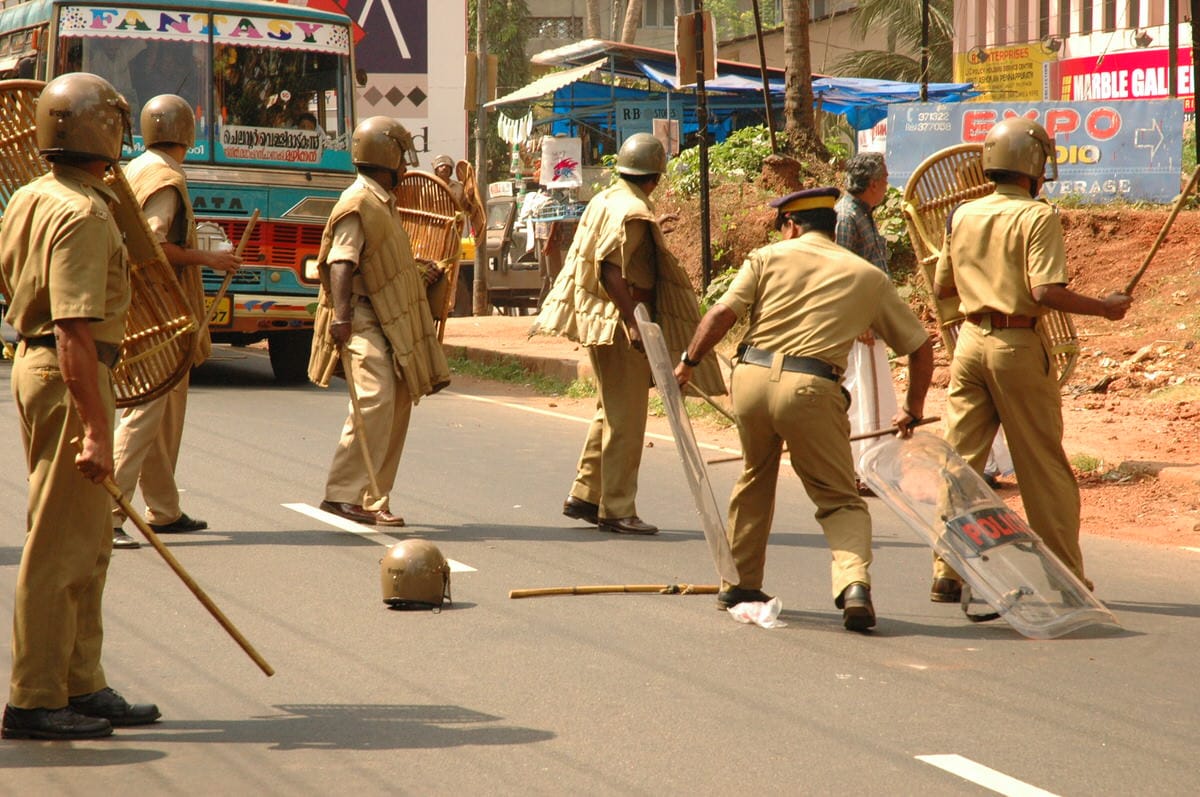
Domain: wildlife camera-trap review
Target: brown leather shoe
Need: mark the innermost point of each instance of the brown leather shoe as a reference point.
(945, 590)
(627, 525)
(349, 511)
(385, 518)
(579, 509)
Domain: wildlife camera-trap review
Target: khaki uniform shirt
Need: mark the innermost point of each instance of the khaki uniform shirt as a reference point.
(162, 208)
(61, 256)
(809, 297)
(348, 236)
(1001, 247)
(636, 256)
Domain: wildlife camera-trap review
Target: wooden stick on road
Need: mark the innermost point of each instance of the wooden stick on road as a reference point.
(658, 589)
(200, 594)
(216, 303)
(1162, 234)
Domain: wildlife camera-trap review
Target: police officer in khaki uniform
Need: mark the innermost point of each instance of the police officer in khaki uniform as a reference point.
(808, 299)
(617, 260)
(148, 435)
(63, 267)
(372, 303)
(1006, 260)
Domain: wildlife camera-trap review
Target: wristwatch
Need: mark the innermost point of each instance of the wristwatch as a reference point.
(683, 358)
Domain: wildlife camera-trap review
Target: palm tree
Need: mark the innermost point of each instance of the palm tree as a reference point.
(592, 19)
(902, 21)
(800, 126)
(633, 20)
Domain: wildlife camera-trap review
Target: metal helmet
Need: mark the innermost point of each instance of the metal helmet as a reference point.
(82, 115)
(414, 574)
(1020, 145)
(641, 153)
(382, 143)
(168, 119)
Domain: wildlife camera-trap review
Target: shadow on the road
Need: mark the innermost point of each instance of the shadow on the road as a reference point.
(346, 727)
(1168, 609)
(994, 631)
(98, 753)
(10, 556)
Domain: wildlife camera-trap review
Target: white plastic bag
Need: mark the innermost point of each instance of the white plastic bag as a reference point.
(764, 615)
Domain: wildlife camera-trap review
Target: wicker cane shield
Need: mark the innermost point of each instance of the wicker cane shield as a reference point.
(941, 182)
(160, 330)
(434, 221)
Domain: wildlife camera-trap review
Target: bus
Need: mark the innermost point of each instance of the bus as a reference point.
(272, 86)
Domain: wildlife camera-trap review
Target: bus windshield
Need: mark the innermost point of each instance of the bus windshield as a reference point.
(266, 91)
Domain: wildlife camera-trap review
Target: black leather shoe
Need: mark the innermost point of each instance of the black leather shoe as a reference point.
(728, 598)
(123, 540)
(627, 525)
(350, 512)
(858, 613)
(108, 705)
(579, 509)
(52, 723)
(181, 525)
(945, 590)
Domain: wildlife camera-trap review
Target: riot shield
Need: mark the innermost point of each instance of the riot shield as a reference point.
(1002, 560)
(685, 443)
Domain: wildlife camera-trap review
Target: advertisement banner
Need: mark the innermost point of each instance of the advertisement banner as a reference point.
(1005, 74)
(1136, 75)
(561, 162)
(637, 116)
(1106, 151)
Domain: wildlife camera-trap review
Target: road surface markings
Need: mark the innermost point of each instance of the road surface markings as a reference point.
(1190, 548)
(563, 416)
(366, 532)
(983, 776)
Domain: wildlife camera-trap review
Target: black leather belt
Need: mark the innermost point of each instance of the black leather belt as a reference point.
(803, 365)
(107, 353)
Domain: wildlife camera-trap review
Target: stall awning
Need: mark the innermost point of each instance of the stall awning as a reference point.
(547, 84)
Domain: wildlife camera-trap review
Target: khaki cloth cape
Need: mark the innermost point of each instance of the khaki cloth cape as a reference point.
(580, 309)
(397, 293)
(146, 177)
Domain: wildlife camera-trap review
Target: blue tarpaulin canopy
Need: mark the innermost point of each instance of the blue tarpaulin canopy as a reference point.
(862, 101)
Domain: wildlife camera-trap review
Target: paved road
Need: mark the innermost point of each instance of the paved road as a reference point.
(620, 694)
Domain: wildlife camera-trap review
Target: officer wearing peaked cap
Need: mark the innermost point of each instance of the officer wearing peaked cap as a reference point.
(807, 300)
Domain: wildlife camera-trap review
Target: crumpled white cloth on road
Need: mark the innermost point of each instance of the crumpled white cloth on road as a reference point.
(764, 615)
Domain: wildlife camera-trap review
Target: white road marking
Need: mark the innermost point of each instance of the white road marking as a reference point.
(1190, 548)
(563, 416)
(366, 532)
(983, 776)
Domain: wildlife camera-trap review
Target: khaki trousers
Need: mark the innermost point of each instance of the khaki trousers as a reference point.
(607, 473)
(146, 451)
(57, 627)
(386, 409)
(809, 414)
(1005, 376)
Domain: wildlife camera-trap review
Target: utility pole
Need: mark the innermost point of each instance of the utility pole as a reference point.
(702, 122)
(479, 297)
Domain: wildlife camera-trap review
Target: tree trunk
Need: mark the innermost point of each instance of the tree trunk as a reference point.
(633, 19)
(592, 20)
(800, 128)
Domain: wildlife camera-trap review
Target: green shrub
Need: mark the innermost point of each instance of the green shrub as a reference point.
(740, 155)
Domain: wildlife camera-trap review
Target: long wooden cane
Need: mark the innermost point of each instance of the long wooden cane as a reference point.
(200, 594)
(853, 438)
(1162, 234)
(225, 283)
(360, 433)
(712, 403)
(658, 589)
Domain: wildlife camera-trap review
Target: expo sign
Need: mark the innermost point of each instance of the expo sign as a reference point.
(1099, 124)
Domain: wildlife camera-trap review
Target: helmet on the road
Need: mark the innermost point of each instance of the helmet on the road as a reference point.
(81, 115)
(641, 154)
(1022, 146)
(168, 119)
(381, 142)
(414, 574)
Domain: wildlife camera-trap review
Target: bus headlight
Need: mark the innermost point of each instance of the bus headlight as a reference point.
(311, 272)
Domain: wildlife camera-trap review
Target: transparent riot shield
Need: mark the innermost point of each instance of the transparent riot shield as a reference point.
(663, 370)
(1002, 560)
